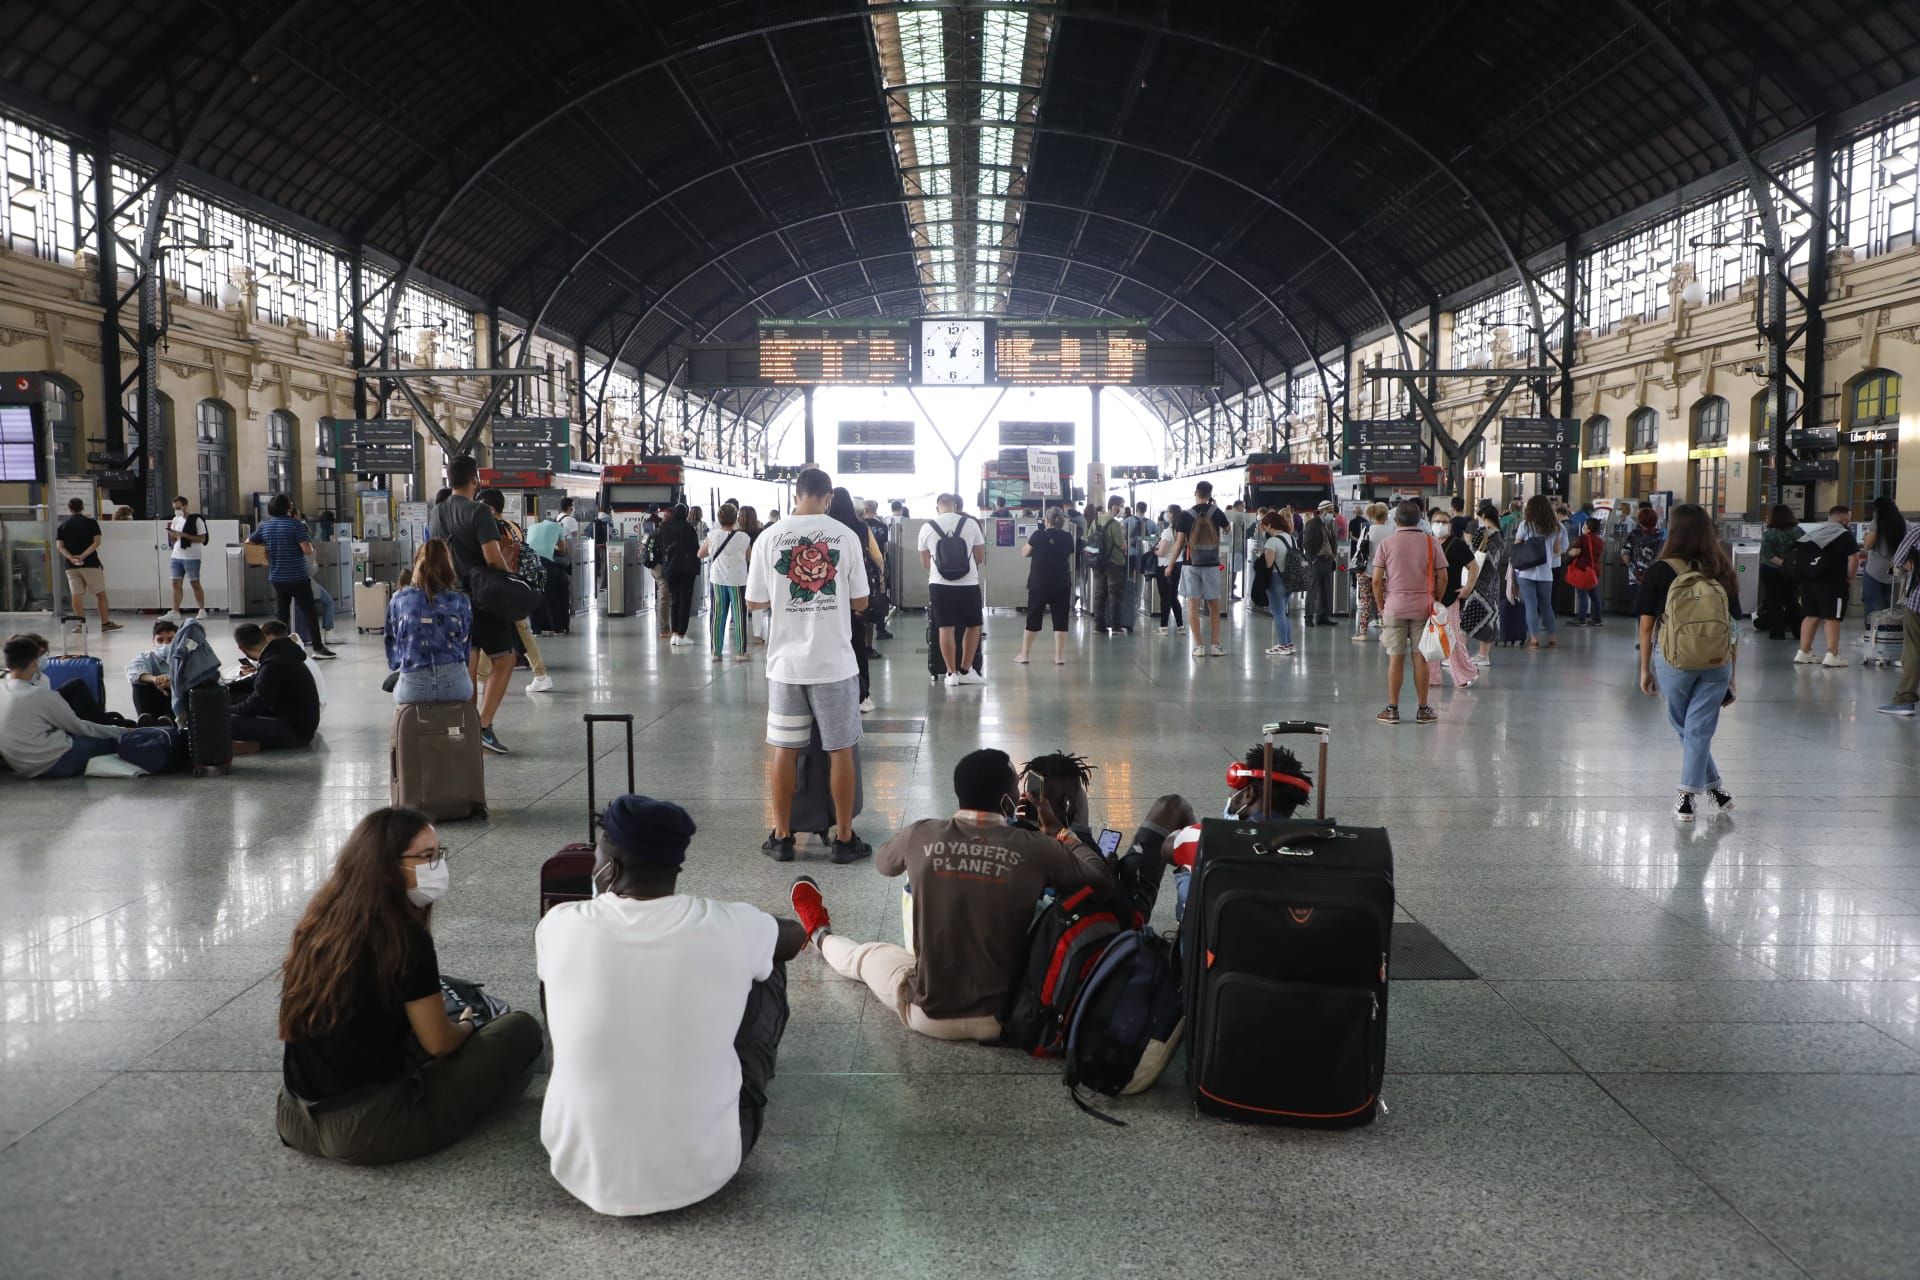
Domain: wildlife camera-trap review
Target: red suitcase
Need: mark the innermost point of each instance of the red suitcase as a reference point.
(568, 875)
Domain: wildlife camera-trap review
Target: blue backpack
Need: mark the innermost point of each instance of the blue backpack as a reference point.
(1126, 1020)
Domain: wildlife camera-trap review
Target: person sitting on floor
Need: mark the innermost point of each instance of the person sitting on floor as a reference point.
(75, 692)
(373, 1069)
(148, 678)
(1061, 778)
(40, 736)
(274, 629)
(975, 879)
(281, 709)
(1158, 846)
(666, 1011)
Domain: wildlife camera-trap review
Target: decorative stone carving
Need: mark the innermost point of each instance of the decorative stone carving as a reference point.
(179, 369)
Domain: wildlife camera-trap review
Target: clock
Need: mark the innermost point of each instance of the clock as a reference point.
(953, 353)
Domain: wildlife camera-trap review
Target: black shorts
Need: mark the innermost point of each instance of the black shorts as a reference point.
(492, 635)
(1041, 603)
(953, 606)
(1823, 599)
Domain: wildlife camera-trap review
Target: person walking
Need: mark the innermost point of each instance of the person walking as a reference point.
(1906, 559)
(952, 549)
(1586, 552)
(1687, 603)
(515, 549)
(1409, 574)
(1779, 602)
(1050, 585)
(1835, 557)
(1166, 574)
(1642, 547)
(1318, 542)
(1480, 609)
(288, 545)
(1369, 527)
(79, 538)
(1279, 546)
(1540, 543)
(679, 555)
(1889, 529)
(1196, 545)
(726, 557)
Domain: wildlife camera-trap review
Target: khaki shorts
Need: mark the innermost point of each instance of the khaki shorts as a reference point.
(84, 584)
(1399, 635)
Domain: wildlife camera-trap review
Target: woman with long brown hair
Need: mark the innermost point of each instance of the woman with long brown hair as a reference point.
(1779, 602)
(428, 623)
(1532, 586)
(374, 1070)
(1692, 664)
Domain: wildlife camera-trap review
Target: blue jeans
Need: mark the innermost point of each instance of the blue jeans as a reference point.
(74, 762)
(1874, 594)
(1693, 701)
(729, 602)
(1538, 599)
(324, 603)
(1282, 624)
(1586, 602)
(448, 682)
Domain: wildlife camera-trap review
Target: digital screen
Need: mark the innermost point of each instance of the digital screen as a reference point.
(836, 354)
(20, 459)
(1105, 355)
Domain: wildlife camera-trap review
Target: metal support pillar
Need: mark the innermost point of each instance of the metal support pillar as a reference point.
(1433, 348)
(357, 308)
(806, 405)
(1094, 456)
(1813, 324)
(106, 250)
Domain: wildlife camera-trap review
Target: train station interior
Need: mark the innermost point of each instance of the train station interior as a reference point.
(285, 273)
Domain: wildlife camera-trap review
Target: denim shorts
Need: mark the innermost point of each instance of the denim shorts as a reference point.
(448, 682)
(188, 569)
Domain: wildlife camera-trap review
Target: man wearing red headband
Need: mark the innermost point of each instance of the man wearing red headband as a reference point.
(1246, 779)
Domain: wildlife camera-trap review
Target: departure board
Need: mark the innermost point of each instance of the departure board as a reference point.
(20, 454)
(1112, 354)
(868, 353)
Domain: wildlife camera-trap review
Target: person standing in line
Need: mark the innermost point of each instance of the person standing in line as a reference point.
(810, 574)
(1511, 519)
(726, 557)
(698, 520)
(751, 527)
(1049, 585)
(1461, 521)
(288, 546)
(1779, 603)
(1463, 572)
(79, 538)
(1823, 598)
(1906, 559)
(186, 538)
(1368, 528)
(1480, 609)
(1196, 547)
(472, 536)
(1107, 546)
(1690, 598)
(1585, 554)
(1278, 547)
(1166, 573)
(1318, 543)
(1239, 530)
(1888, 529)
(1532, 587)
(679, 556)
(1409, 574)
(841, 508)
(952, 549)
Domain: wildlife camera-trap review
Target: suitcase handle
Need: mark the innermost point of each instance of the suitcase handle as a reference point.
(1286, 728)
(593, 806)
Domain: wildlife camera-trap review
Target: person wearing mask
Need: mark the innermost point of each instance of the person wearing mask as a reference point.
(373, 1070)
(1166, 572)
(1276, 549)
(666, 1012)
(1107, 572)
(427, 632)
(1463, 572)
(1887, 530)
(1480, 608)
(813, 681)
(1823, 598)
(79, 540)
(1906, 559)
(1318, 543)
(288, 545)
(515, 547)
(1049, 585)
(1693, 693)
(1368, 528)
(726, 558)
(148, 678)
(1532, 587)
(1779, 609)
(955, 603)
(569, 523)
(186, 540)
(40, 734)
(281, 710)
(975, 878)
(698, 520)
(1198, 532)
(840, 507)
(547, 539)
(472, 536)
(1585, 554)
(1409, 574)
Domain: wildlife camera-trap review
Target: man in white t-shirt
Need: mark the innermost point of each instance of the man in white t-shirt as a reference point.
(569, 525)
(810, 573)
(186, 535)
(666, 1011)
(953, 587)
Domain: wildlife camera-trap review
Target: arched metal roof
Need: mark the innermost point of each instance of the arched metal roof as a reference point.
(1268, 176)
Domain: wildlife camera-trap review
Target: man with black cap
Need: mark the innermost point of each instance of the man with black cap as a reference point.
(666, 1011)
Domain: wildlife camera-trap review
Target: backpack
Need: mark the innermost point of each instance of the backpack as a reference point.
(1295, 574)
(1696, 632)
(1203, 543)
(1361, 560)
(1115, 539)
(952, 557)
(650, 552)
(1064, 943)
(1127, 1020)
(1808, 562)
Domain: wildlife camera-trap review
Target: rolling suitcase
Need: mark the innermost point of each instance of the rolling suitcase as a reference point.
(813, 789)
(437, 764)
(567, 876)
(209, 729)
(1513, 622)
(937, 665)
(1284, 947)
(370, 601)
(70, 668)
(1886, 633)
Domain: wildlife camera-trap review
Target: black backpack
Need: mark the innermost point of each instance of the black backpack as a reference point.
(1064, 943)
(952, 557)
(1808, 562)
(1127, 1020)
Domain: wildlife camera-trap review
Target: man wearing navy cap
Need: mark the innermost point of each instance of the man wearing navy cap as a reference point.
(666, 1011)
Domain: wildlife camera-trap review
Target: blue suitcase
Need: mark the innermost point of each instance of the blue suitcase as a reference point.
(66, 670)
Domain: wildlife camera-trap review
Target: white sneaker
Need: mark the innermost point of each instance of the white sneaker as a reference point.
(953, 680)
(1199, 651)
(1163, 631)
(1484, 663)
(972, 677)
(1804, 657)
(540, 684)
(866, 706)
(1834, 660)
(1217, 652)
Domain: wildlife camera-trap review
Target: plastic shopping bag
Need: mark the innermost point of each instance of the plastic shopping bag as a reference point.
(1436, 639)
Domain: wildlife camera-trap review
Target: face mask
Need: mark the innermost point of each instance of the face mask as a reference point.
(430, 885)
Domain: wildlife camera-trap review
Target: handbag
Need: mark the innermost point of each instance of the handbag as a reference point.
(463, 995)
(1582, 577)
(499, 593)
(1436, 639)
(1528, 553)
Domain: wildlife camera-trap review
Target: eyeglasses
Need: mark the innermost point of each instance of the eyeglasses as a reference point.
(427, 857)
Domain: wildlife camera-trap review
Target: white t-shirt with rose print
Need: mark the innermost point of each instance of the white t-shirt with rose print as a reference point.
(808, 570)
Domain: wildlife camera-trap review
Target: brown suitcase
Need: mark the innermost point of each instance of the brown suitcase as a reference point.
(438, 764)
(568, 875)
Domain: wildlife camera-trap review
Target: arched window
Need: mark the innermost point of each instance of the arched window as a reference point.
(283, 434)
(1710, 419)
(1762, 425)
(63, 424)
(213, 435)
(1597, 480)
(1707, 476)
(1643, 436)
(1876, 399)
(1873, 439)
(1599, 436)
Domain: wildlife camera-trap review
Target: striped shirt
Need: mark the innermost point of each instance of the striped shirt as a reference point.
(1909, 548)
(282, 536)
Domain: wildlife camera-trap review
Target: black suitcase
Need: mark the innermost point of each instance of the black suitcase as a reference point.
(813, 789)
(209, 729)
(1513, 621)
(1284, 944)
(937, 665)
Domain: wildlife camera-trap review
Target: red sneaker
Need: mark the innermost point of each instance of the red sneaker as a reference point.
(810, 906)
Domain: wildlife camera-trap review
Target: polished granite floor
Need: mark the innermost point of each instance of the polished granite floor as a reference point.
(1691, 1052)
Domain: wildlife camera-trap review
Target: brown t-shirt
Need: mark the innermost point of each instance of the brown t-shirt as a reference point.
(974, 889)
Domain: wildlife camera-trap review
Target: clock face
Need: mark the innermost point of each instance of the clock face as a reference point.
(953, 353)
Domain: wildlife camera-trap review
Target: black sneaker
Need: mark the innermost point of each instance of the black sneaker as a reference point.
(321, 651)
(779, 848)
(489, 739)
(1721, 800)
(1684, 810)
(852, 849)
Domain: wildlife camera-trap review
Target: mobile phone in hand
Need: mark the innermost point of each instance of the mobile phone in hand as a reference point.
(1728, 700)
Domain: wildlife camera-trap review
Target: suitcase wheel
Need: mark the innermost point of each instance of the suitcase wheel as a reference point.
(202, 770)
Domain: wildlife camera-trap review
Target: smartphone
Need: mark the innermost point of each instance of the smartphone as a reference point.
(1728, 700)
(1109, 842)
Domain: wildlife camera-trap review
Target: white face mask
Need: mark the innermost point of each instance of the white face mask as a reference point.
(1441, 528)
(430, 884)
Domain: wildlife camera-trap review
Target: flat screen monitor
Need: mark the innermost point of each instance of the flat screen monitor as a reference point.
(22, 461)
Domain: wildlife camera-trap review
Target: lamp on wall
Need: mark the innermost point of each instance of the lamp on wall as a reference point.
(1693, 292)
